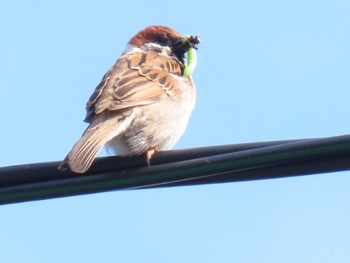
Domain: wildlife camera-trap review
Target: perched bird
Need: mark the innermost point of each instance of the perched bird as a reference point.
(143, 102)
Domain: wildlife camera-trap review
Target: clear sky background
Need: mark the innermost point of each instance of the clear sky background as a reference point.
(268, 70)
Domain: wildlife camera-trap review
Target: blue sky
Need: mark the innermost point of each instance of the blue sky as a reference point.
(267, 70)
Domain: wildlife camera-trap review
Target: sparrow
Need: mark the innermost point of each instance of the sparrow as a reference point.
(143, 103)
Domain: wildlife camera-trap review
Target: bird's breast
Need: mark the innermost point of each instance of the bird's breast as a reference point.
(158, 124)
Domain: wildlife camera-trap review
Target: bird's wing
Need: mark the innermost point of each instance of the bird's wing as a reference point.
(136, 79)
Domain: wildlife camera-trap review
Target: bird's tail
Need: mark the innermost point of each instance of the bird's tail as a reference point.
(80, 158)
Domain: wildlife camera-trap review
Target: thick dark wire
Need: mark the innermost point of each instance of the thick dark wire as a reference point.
(206, 165)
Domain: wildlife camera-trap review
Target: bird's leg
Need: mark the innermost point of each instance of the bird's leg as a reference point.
(150, 153)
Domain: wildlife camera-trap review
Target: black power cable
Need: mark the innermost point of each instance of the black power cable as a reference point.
(206, 165)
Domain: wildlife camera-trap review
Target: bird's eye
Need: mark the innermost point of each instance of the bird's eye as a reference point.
(163, 40)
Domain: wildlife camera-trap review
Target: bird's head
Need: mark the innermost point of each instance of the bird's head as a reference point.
(167, 41)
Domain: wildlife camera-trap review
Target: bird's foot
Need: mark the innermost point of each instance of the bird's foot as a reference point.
(150, 153)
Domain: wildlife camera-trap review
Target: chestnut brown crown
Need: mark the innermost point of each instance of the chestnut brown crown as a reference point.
(165, 37)
(162, 35)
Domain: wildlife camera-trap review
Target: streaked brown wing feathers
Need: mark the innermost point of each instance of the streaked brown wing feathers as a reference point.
(135, 79)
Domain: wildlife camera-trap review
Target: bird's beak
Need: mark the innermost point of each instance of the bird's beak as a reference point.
(187, 42)
(193, 41)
